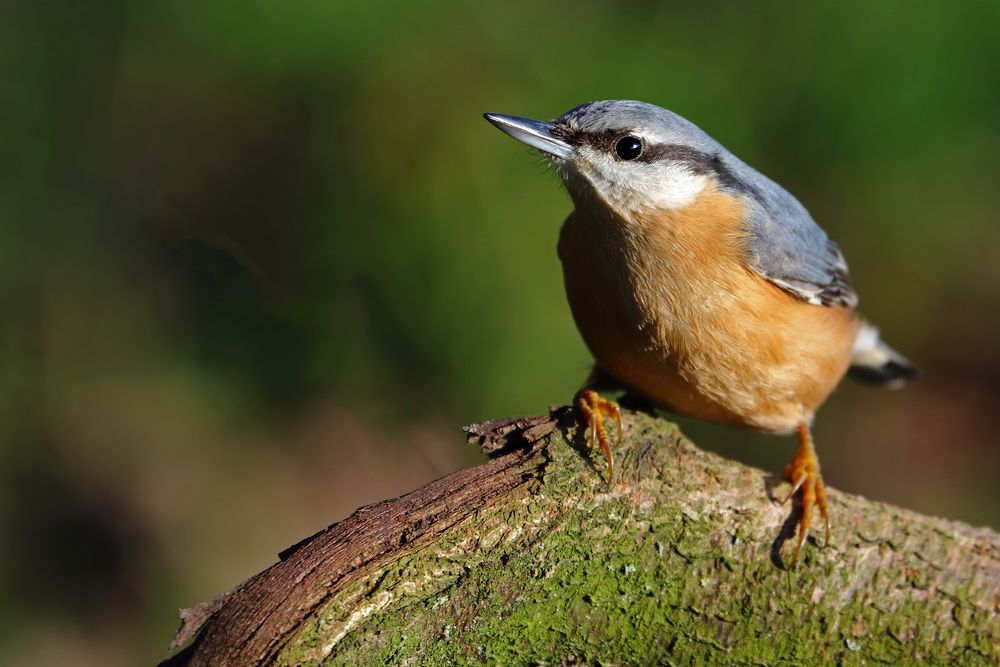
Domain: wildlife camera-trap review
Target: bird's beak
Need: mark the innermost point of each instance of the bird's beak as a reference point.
(535, 133)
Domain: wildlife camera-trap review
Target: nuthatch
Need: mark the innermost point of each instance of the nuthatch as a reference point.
(700, 284)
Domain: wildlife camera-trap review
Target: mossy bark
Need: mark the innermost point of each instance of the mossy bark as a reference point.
(532, 559)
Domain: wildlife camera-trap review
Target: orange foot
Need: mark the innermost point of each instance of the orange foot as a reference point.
(803, 473)
(591, 409)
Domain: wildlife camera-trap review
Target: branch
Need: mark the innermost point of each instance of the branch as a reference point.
(530, 558)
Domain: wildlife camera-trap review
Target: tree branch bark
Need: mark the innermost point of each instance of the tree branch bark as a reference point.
(531, 558)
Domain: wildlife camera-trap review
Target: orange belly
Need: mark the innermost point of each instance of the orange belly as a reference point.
(668, 308)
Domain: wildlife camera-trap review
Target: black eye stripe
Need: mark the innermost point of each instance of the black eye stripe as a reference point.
(606, 140)
(697, 161)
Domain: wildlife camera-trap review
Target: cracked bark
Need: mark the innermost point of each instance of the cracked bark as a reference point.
(530, 558)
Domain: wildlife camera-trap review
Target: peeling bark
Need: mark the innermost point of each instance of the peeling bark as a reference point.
(530, 558)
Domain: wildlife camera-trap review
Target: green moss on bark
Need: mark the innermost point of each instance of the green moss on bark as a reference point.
(676, 565)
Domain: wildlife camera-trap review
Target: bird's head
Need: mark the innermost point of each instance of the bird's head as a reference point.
(634, 157)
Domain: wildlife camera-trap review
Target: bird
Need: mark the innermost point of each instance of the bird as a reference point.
(701, 285)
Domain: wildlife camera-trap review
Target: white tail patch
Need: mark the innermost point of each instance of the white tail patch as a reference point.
(875, 362)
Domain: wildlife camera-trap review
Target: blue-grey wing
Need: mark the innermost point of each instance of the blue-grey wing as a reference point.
(789, 248)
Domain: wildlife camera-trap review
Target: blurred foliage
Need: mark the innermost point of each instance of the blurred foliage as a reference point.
(259, 260)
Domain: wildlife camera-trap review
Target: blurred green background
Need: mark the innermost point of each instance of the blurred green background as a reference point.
(259, 261)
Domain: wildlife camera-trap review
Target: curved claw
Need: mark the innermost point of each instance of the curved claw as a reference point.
(795, 489)
(592, 408)
(804, 473)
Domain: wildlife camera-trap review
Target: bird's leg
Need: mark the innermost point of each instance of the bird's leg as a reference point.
(591, 409)
(803, 473)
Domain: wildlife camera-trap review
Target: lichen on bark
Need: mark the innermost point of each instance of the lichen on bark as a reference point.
(532, 558)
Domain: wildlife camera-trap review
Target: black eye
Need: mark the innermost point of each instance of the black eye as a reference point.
(628, 148)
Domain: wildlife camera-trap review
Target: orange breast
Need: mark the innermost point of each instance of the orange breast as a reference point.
(668, 307)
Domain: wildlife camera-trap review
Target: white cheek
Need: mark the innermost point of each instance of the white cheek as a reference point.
(667, 187)
(637, 186)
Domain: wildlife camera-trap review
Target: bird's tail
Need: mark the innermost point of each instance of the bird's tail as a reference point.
(876, 363)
